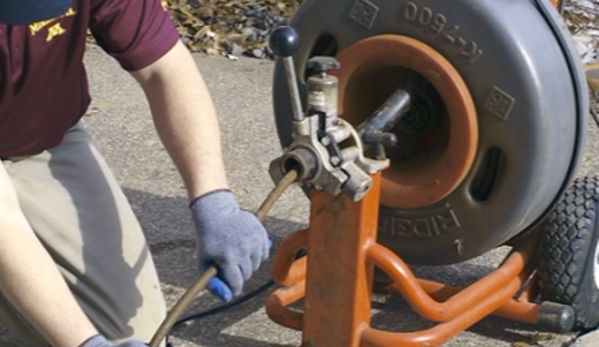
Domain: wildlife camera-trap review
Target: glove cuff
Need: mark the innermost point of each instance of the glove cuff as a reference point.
(95, 341)
(194, 201)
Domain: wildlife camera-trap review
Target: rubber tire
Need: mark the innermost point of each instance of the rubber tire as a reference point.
(567, 262)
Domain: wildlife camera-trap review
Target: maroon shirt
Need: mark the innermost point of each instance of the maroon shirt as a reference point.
(43, 85)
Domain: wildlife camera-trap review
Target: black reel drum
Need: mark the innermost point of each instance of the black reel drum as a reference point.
(496, 125)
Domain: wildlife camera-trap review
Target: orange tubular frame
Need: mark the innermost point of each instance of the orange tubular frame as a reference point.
(335, 280)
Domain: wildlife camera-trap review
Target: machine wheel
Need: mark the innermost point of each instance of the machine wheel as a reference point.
(569, 263)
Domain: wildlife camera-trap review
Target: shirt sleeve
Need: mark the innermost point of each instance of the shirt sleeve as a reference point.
(135, 32)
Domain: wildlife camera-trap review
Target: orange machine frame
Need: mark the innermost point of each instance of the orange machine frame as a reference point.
(335, 280)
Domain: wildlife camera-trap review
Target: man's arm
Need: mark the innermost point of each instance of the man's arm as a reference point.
(31, 281)
(185, 119)
(186, 122)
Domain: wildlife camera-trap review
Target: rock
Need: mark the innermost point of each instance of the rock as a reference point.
(251, 34)
(257, 53)
(268, 52)
(235, 50)
(253, 11)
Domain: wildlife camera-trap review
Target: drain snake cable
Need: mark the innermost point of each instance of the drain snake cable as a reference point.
(200, 283)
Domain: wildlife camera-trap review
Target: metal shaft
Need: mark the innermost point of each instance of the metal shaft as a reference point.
(296, 103)
(388, 114)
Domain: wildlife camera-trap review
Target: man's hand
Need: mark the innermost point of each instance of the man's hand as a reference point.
(100, 341)
(233, 239)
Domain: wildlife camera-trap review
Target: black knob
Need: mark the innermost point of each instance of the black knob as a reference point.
(284, 41)
(322, 64)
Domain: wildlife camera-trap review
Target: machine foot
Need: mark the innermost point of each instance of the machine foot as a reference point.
(556, 318)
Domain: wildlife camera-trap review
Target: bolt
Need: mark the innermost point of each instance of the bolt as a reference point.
(334, 160)
(325, 141)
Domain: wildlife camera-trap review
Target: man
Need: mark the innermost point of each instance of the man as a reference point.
(74, 266)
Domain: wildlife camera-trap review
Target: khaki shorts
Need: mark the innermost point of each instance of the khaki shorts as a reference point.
(82, 217)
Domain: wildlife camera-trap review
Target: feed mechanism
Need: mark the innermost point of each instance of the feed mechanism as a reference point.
(428, 132)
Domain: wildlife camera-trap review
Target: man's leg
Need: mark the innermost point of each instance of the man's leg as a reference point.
(76, 208)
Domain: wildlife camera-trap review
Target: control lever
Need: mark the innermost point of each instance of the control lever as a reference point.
(374, 131)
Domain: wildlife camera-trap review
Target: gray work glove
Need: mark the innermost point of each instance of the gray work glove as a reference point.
(100, 341)
(231, 238)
